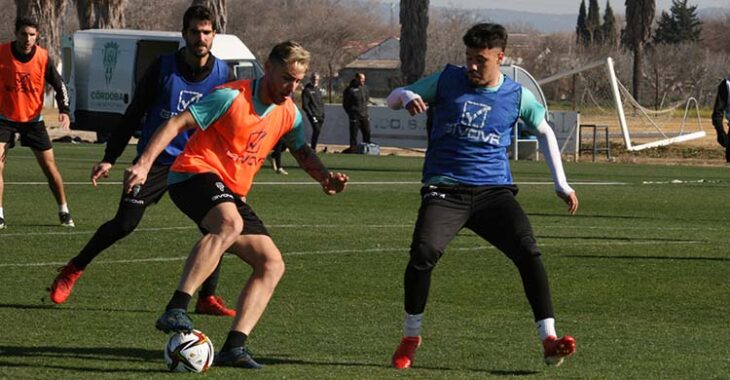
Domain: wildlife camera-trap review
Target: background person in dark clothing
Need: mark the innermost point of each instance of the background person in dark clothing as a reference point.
(169, 86)
(720, 111)
(355, 100)
(25, 69)
(313, 107)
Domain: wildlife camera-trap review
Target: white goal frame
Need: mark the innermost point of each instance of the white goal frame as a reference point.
(616, 93)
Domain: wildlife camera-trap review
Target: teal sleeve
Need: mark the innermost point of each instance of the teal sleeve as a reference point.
(295, 138)
(531, 111)
(426, 87)
(212, 106)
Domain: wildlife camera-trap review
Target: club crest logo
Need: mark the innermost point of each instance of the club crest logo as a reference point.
(221, 187)
(111, 51)
(23, 83)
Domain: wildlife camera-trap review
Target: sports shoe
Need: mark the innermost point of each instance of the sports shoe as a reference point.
(64, 282)
(403, 356)
(2, 223)
(66, 220)
(558, 349)
(236, 357)
(282, 171)
(174, 320)
(213, 305)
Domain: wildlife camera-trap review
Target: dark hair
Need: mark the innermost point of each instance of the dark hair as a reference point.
(486, 36)
(200, 13)
(22, 22)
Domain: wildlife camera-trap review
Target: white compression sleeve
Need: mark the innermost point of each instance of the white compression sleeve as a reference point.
(400, 97)
(551, 151)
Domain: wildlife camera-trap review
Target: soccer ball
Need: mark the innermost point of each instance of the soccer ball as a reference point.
(189, 352)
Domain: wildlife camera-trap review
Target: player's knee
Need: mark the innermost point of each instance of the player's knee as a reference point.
(526, 249)
(424, 256)
(230, 226)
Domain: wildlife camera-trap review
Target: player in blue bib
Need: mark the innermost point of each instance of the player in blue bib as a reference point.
(468, 182)
(171, 84)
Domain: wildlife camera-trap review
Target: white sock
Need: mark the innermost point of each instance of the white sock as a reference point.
(2, 215)
(546, 328)
(412, 324)
(63, 208)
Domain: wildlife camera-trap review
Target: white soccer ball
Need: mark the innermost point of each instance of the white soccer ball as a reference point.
(189, 352)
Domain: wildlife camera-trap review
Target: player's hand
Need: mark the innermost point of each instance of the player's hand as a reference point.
(334, 183)
(571, 200)
(134, 177)
(100, 170)
(64, 120)
(416, 106)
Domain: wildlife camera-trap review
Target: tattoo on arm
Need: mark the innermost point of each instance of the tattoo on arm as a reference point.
(309, 161)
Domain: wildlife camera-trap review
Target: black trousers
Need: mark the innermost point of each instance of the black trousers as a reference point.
(361, 123)
(316, 130)
(494, 214)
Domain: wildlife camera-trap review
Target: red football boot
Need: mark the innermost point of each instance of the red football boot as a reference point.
(213, 305)
(558, 349)
(403, 356)
(64, 282)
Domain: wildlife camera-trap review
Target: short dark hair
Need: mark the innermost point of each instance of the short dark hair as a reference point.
(200, 13)
(22, 22)
(486, 36)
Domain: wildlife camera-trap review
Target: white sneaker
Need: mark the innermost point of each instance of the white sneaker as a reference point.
(66, 220)
(282, 171)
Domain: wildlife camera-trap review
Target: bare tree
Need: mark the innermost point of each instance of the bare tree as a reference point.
(101, 14)
(639, 19)
(219, 8)
(413, 38)
(47, 12)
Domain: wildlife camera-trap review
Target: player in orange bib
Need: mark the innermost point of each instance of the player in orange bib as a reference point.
(238, 125)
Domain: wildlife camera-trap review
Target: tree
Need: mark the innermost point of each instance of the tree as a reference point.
(608, 29)
(582, 35)
(47, 13)
(219, 8)
(680, 25)
(413, 37)
(639, 17)
(101, 14)
(593, 22)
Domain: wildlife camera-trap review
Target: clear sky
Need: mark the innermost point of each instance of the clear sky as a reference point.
(565, 6)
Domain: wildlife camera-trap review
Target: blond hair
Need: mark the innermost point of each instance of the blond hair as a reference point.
(289, 52)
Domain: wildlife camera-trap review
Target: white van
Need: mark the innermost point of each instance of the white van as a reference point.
(102, 66)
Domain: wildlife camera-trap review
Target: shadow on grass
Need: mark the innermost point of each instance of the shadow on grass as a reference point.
(669, 258)
(103, 354)
(50, 306)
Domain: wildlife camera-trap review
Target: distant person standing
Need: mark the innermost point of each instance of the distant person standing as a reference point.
(720, 111)
(25, 68)
(355, 100)
(313, 107)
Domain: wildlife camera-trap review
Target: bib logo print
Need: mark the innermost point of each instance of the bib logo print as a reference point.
(187, 98)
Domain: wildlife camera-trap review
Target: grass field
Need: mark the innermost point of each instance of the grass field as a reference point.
(641, 277)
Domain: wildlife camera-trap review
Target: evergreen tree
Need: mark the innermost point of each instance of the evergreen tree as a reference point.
(608, 30)
(680, 25)
(593, 22)
(582, 36)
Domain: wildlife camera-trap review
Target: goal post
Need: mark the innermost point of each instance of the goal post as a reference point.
(604, 100)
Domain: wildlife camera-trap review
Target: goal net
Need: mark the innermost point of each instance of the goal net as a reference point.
(595, 91)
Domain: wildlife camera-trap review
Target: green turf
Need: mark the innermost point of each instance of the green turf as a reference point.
(640, 277)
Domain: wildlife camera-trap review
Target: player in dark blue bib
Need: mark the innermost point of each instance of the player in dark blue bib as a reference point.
(468, 183)
(171, 84)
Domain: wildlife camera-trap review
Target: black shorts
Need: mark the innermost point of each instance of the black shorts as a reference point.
(492, 212)
(152, 190)
(196, 196)
(32, 135)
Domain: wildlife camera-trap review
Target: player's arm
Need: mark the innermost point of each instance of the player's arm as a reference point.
(307, 159)
(533, 114)
(137, 173)
(146, 91)
(415, 97)
(53, 78)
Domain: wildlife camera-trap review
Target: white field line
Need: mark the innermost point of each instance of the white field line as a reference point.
(358, 226)
(342, 251)
(349, 183)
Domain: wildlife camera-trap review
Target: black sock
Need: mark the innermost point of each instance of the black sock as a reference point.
(179, 300)
(234, 339)
(210, 283)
